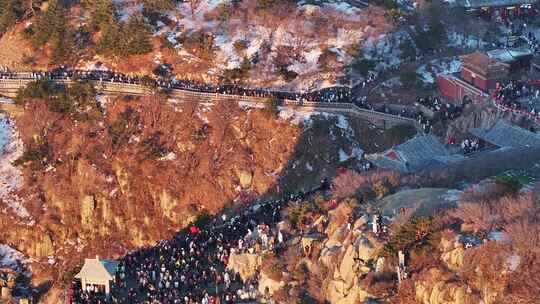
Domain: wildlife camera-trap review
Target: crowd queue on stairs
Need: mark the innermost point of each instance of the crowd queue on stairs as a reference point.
(192, 266)
(337, 94)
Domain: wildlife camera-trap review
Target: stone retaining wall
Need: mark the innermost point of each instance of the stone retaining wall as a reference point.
(9, 87)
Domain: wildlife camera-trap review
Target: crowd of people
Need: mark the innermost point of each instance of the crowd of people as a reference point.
(440, 108)
(192, 267)
(469, 146)
(519, 97)
(532, 42)
(333, 94)
(423, 120)
(327, 95)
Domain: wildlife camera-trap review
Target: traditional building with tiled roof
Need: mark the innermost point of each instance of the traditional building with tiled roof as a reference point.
(97, 274)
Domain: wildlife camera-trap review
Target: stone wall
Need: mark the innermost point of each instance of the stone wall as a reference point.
(9, 87)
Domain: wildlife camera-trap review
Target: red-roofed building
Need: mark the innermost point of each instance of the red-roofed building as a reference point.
(479, 75)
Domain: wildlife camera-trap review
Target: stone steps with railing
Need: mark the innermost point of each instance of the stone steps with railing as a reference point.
(9, 87)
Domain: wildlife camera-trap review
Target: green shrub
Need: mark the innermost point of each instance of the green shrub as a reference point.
(11, 11)
(408, 51)
(66, 277)
(124, 127)
(77, 100)
(412, 232)
(42, 88)
(126, 38)
(410, 80)
(199, 42)
(353, 50)
(399, 133)
(34, 156)
(103, 14)
(511, 185)
(391, 4)
(381, 189)
(273, 3)
(245, 65)
(159, 5)
(272, 106)
(154, 146)
(363, 66)
(53, 28)
(224, 12)
(199, 135)
(434, 36)
(327, 58)
(286, 74)
(240, 46)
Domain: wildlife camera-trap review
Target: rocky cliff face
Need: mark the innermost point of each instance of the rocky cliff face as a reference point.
(335, 260)
(138, 173)
(138, 170)
(484, 117)
(334, 257)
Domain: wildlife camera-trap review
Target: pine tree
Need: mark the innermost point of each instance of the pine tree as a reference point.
(111, 42)
(51, 25)
(139, 36)
(159, 5)
(11, 11)
(103, 14)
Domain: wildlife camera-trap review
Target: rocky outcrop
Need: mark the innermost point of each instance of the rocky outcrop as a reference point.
(88, 205)
(348, 253)
(338, 293)
(438, 287)
(245, 177)
(483, 117)
(246, 264)
(452, 253)
(268, 285)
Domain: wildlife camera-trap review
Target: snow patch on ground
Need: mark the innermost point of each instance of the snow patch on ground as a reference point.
(356, 153)
(453, 195)
(498, 236)
(384, 49)
(343, 123)
(460, 40)
(127, 8)
(194, 19)
(250, 105)
(513, 262)
(11, 148)
(95, 66)
(343, 157)
(10, 258)
(292, 32)
(428, 72)
(102, 101)
(297, 116)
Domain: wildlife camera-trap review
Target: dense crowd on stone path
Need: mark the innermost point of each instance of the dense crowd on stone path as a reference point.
(333, 94)
(444, 109)
(510, 96)
(470, 146)
(191, 267)
(327, 95)
(410, 113)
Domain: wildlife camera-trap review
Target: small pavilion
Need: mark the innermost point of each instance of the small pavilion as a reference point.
(97, 274)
